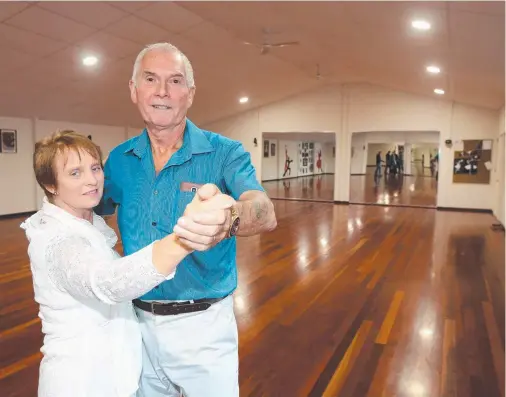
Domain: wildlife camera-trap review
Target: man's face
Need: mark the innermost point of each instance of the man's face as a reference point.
(161, 92)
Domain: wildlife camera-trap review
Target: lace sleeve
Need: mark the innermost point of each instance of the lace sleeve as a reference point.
(74, 267)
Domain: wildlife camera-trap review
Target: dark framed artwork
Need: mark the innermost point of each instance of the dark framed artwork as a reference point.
(273, 149)
(8, 141)
(266, 148)
(473, 162)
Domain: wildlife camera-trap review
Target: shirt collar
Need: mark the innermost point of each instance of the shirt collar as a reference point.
(194, 142)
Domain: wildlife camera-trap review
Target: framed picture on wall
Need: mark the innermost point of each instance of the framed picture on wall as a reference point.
(8, 141)
(266, 148)
(273, 149)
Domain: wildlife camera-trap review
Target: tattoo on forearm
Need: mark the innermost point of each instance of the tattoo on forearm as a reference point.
(259, 209)
(256, 214)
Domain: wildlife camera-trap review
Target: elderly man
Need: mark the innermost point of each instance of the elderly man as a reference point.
(188, 324)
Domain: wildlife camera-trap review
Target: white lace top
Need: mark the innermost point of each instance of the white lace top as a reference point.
(92, 342)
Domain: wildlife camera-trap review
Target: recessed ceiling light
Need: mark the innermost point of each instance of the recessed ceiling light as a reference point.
(90, 60)
(244, 99)
(439, 91)
(433, 69)
(420, 24)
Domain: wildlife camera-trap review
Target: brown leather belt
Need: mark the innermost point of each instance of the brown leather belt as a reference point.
(173, 308)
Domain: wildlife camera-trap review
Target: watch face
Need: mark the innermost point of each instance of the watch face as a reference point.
(234, 227)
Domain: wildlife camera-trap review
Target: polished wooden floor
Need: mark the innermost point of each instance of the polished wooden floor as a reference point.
(351, 301)
(314, 188)
(417, 190)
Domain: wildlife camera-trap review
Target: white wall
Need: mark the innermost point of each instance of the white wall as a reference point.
(270, 164)
(345, 109)
(16, 171)
(359, 157)
(467, 123)
(24, 194)
(499, 210)
(329, 160)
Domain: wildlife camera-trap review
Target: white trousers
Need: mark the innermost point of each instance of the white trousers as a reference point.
(191, 354)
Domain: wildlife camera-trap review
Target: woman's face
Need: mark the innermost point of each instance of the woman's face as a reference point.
(79, 181)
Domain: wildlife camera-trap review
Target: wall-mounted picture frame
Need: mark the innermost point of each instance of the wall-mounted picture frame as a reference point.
(8, 141)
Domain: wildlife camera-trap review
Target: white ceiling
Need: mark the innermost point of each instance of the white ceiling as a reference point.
(42, 44)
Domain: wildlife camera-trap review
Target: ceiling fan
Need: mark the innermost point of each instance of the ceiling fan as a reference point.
(266, 46)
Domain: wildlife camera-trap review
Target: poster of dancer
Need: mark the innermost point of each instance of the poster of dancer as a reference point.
(288, 161)
(319, 161)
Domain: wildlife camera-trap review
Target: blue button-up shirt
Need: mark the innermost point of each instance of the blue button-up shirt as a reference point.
(149, 205)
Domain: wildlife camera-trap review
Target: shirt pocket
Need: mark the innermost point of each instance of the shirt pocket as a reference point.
(183, 199)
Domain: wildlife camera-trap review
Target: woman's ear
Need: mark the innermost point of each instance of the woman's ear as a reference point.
(52, 190)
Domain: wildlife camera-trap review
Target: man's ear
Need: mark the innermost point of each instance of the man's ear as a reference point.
(133, 91)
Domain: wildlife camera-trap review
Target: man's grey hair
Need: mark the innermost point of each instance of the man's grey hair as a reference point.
(188, 69)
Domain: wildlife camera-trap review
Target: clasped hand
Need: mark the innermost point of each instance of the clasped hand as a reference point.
(206, 219)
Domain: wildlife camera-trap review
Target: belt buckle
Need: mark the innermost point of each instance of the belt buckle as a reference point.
(153, 307)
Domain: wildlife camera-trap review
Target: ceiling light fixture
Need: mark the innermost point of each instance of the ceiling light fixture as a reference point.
(90, 60)
(420, 24)
(433, 69)
(439, 91)
(244, 99)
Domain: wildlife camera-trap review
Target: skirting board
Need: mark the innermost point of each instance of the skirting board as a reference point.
(301, 199)
(395, 205)
(480, 210)
(295, 177)
(342, 202)
(17, 215)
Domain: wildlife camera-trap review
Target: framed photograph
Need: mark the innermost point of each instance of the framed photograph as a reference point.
(266, 148)
(8, 141)
(273, 149)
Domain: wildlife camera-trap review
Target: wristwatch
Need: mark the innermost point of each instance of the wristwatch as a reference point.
(234, 222)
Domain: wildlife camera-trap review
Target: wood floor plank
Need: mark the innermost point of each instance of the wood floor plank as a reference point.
(495, 344)
(388, 324)
(339, 378)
